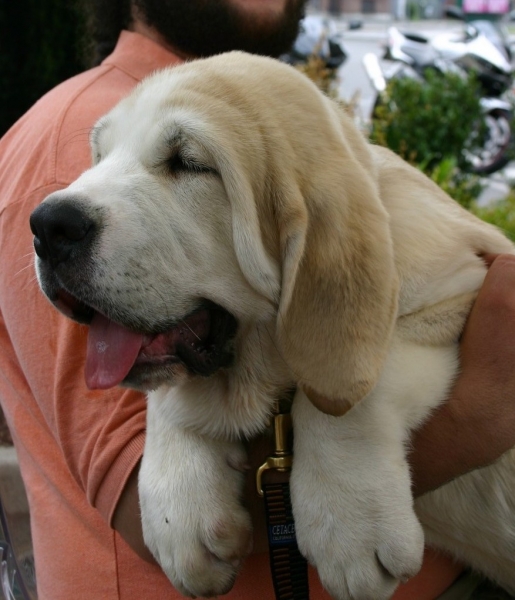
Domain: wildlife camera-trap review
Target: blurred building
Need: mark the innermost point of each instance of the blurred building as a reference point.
(337, 7)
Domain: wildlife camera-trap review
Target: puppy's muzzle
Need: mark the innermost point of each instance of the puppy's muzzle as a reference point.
(62, 231)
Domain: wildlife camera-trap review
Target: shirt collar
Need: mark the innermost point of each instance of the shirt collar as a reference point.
(138, 56)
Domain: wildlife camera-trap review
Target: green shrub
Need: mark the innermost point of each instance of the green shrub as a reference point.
(465, 189)
(501, 214)
(428, 121)
(462, 186)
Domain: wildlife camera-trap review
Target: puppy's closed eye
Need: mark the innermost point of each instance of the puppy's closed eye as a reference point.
(179, 163)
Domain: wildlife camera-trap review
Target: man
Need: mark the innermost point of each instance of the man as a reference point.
(79, 450)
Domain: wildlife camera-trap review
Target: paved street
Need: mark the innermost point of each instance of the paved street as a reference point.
(354, 82)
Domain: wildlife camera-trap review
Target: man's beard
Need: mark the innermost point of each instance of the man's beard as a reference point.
(207, 27)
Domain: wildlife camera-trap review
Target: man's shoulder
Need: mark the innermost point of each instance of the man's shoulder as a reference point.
(86, 99)
(49, 144)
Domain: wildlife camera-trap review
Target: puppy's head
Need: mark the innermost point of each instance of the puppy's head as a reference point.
(224, 192)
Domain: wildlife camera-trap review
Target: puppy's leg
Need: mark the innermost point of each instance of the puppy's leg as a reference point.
(352, 500)
(190, 490)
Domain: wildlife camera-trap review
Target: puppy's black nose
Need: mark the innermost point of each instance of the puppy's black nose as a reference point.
(60, 231)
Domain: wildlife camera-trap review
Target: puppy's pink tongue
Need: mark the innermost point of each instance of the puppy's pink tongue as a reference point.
(112, 350)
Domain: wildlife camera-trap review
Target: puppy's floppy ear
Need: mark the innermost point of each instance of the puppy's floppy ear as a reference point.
(260, 270)
(339, 286)
(312, 236)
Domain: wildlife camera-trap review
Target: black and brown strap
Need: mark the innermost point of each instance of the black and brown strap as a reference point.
(288, 566)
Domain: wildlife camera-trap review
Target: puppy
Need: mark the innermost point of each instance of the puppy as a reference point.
(237, 237)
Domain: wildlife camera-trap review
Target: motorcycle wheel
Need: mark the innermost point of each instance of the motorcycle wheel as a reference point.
(494, 154)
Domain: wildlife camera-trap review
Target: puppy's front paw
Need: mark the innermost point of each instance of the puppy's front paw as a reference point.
(352, 502)
(192, 519)
(361, 547)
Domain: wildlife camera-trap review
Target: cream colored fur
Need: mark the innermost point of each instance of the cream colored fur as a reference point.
(351, 276)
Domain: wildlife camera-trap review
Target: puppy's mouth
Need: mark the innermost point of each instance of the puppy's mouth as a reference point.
(117, 354)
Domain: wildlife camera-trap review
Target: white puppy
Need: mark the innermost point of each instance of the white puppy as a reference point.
(237, 237)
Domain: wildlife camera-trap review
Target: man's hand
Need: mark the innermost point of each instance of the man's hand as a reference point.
(477, 424)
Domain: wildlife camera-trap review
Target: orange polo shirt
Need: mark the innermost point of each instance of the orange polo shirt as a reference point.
(76, 446)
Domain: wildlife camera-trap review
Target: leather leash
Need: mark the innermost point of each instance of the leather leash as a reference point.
(289, 568)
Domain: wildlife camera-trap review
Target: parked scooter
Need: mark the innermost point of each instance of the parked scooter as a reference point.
(495, 30)
(475, 49)
(471, 51)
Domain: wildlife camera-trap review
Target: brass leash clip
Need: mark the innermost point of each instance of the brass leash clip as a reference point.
(282, 457)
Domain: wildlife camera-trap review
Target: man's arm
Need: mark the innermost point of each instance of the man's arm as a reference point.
(127, 517)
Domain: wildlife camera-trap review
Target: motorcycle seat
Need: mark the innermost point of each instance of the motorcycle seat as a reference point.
(415, 37)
